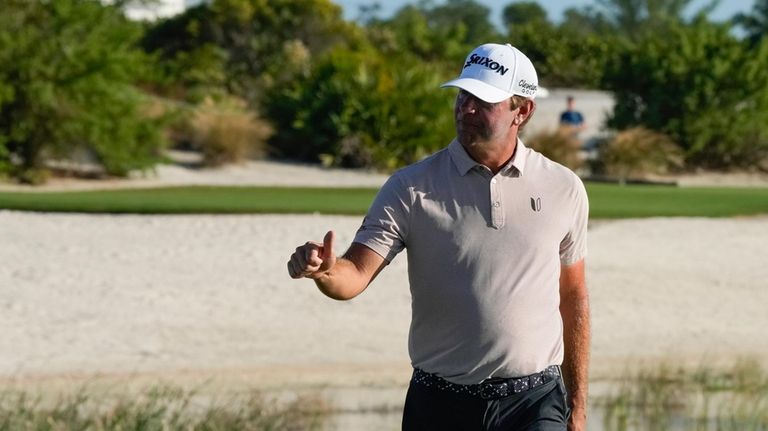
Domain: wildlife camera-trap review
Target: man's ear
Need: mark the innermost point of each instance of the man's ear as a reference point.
(525, 112)
(527, 108)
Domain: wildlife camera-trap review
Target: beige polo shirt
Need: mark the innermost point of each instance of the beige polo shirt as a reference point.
(484, 256)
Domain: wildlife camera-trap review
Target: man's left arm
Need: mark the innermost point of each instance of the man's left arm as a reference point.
(574, 308)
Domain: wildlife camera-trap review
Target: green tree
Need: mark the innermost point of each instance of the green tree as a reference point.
(441, 34)
(572, 53)
(410, 31)
(635, 18)
(360, 108)
(564, 57)
(467, 16)
(67, 74)
(191, 66)
(256, 40)
(587, 20)
(701, 86)
(756, 22)
(523, 12)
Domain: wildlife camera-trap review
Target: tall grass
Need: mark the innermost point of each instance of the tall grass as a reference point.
(161, 409)
(638, 152)
(560, 145)
(224, 132)
(706, 399)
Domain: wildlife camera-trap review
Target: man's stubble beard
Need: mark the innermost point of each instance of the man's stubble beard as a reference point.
(472, 136)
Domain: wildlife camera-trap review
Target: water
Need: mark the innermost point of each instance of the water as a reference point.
(682, 406)
(381, 409)
(390, 421)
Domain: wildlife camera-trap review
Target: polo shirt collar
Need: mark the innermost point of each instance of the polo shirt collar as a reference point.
(521, 155)
(460, 158)
(464, 163)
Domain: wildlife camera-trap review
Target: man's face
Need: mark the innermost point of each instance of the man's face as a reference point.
(479, 122)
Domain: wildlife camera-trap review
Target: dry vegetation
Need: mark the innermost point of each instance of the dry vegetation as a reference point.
(561, 145)
(637, 152)
(704, 399)
(224, 132)
(161, 408)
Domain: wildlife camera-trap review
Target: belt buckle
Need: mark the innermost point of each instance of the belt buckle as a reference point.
(494, 390)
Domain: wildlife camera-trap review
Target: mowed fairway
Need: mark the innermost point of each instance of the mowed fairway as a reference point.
(197, 200)
(606, 201)
(613, 201)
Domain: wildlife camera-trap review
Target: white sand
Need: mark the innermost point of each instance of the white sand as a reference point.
(193, 297)
(125, 302)
(252, 173)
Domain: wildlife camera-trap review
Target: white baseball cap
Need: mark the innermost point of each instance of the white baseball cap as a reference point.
(494, 72)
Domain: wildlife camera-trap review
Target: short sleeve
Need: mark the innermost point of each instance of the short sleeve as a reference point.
(573, 247)
(385, 227)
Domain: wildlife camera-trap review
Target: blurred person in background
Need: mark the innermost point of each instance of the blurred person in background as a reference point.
(571, 120)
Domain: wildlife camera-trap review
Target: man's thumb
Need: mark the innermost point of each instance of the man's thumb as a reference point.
(328, 245)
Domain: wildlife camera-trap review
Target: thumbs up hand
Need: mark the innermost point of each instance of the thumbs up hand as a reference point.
(313, 259)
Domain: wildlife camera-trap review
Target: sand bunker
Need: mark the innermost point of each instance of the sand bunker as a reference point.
(184, 297)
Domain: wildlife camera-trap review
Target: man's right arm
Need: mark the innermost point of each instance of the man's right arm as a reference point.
(338, 278)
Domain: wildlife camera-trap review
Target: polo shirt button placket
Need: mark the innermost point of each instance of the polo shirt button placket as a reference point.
(497, 216)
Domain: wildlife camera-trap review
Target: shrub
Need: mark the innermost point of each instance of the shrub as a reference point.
(246, 46)
(564, 57)
(701, 86)
(223, 134)
(67, 74)
(359, 108)
(230, 140)
(560, 145)
(639, 152)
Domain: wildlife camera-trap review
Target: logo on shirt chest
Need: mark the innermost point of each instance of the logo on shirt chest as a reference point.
(536, 204)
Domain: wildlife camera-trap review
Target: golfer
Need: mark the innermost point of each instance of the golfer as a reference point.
(496, 239)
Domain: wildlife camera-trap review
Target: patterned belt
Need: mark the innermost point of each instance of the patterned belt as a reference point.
(491, 388)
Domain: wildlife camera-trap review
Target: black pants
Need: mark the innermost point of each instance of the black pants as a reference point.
(542, 408)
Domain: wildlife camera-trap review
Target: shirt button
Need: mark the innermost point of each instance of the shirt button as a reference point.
(493, 181)
(496, 204)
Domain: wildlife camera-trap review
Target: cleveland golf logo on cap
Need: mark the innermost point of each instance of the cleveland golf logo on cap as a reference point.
(486, 62)
(527, 88)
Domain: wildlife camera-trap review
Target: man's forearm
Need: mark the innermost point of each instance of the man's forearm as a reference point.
(351, 273)
(576, 337)
(343, 281)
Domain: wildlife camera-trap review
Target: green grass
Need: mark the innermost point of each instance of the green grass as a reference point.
(606, 201)
(704, 399)
(614, 201)
(157, 409)
(197, 200)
